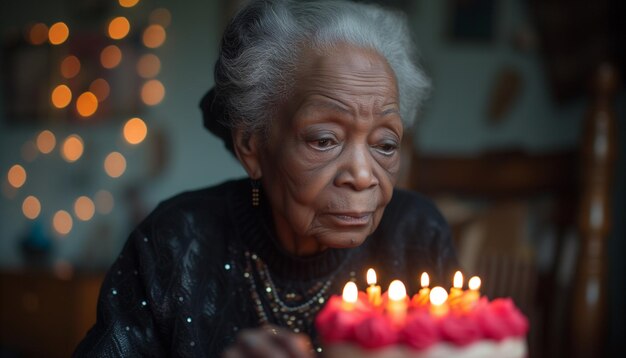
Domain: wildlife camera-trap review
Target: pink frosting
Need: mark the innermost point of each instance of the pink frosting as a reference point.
(375, 331)
(335, 324)
(420, 331)
(460, 329)
(515, 320)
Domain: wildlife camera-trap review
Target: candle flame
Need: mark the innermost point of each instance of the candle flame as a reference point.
(371, 277)
(458, 280)
(438, 296)
(424, 280)
(397, 291)
(474, 283)
(350, 292)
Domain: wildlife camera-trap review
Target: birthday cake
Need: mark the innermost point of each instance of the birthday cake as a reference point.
(431, 324)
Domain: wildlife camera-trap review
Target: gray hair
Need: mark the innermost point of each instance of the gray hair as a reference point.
(261, 45)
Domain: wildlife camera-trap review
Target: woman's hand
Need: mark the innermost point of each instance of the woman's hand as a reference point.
(271, 342)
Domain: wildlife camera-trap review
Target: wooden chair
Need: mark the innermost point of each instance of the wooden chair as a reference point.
(578, 183)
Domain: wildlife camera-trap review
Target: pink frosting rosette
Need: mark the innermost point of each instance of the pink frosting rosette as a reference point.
(375, 331)
(420, 331)
(460, 329)
(335, 324)
(511, 315)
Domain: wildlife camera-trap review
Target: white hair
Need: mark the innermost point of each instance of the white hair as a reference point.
(260, 51)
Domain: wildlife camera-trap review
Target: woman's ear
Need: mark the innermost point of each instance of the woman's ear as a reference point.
(247, 148)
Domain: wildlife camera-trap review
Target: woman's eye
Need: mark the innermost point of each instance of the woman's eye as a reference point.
(323, 143)
(387, 148)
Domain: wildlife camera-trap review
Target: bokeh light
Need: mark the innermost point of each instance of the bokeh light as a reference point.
(87, 104)
(38, 33)
(31, 207)
(58, 33)
(135, 131)
(17, 176)
(100, 87)
(119, 28)
(111, 56)
(148, 66)
(46, 141)
(104, 202)
(115, 164)
(72, 148)
(161, 16)
(61, 96)
(62, 222)
(70, 66)
(154, 36)
(152, 92)
(128, 3)
(84, 208)
(29, 151)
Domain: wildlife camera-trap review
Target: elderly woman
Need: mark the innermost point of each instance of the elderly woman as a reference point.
(313, 98)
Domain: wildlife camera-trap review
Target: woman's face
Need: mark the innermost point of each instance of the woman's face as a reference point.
(331, 159)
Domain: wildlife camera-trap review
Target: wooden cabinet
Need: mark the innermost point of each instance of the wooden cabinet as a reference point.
(45, 315)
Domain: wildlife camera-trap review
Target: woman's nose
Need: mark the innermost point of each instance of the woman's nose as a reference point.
(356, 169)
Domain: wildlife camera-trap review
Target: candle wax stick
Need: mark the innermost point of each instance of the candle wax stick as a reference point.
(374, 295)
(422, 297)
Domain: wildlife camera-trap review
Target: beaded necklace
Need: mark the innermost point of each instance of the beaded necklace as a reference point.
(295, 311)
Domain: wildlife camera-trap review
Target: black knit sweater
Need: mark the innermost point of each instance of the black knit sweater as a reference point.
(206, 264)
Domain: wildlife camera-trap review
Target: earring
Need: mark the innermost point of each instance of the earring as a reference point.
(255, 192)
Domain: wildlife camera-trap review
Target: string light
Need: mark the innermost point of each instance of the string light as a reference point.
(17, 176)
(87, 104)
(84, 208)
(128, 3)
(100, 87)
(46, 141)
(152, 92)
(31, 207)
(115, 164)
(58, 33)
(119, 27)
(72, 148)
(62, 222)
(135, 131)
(61, 96)
(38, 33)
(161, 16)
(148, 66)
(153, 36)
(70, 67)
(110, 57)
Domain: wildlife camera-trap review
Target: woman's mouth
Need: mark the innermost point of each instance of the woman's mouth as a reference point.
(352, 219)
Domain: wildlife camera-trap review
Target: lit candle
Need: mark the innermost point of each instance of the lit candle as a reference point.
(438, 297)
(472, 295)
(373, 291)
(456, 291)
(397, 305)
(350, 296)
(422, 297)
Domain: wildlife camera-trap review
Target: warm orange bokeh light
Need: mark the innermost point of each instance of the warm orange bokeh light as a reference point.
(31, 207)
(154, 36)
(161, 16)
(135, 131)
(100, 87)
(152, 92)
(38, 33)
(46, 141)
(58, 33)
(119, 28)
(72, 148)
(104, 202)
(115, 164)
(62, 222)
(87, 104)
(61, 96)
(128, 3)
(111, 56)
(84, 208)
(17, 176)
(70, 66)
(148, 66)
